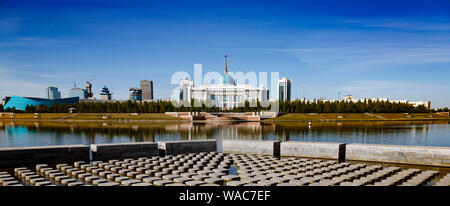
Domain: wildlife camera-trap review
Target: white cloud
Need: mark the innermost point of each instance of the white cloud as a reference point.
(370, 55)
(413, 91)
(54, 75)
(11, 85)
(382, 85)
(410, 24)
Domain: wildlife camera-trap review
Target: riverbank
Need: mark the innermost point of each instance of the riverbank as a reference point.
(160, 117)
(325, 117)
(91, 117)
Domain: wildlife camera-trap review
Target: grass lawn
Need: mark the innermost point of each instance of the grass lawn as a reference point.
(90, 116)
(357, 117)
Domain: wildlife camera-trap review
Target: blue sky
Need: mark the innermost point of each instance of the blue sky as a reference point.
(394, 49)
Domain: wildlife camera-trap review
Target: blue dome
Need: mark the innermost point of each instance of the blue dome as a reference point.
(228, 80)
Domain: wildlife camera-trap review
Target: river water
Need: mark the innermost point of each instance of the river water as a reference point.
(20, 134)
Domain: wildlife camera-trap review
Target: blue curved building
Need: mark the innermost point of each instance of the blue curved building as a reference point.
(21, 103)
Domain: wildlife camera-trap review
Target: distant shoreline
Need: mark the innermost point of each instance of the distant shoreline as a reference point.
(160, 117)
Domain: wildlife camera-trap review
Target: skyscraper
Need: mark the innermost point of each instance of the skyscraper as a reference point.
(284, 89)
(77, 92)
(53, 93)
(147, 89)
(89, 93)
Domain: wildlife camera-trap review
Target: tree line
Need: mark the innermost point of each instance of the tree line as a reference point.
(366, 106)
(295, 106)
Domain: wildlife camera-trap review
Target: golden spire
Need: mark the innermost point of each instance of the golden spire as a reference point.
(225, 64)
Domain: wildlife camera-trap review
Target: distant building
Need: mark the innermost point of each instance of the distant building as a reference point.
(348, 98)
(426, 104)
(136, 94)
(105, 94)
(284, 89)
(77, 92)
(21, 103)
(53, 93)
(4, 100)
(226, 94)
(147, 89)
(89, 93)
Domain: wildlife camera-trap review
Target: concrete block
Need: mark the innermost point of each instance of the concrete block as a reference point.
(141, 176)
(262, 147)
(52, 176)
(6, 179)
(109, 184)
(98, 181)
(34, 180)
(75, 184)
(8, 183)
(102, 152)
(90, 179)
(182, 180)
(43, 183)
(194, 183)
(83, 176)
(65, 182)
(150, 180)
(418, 155)
(175, 185)
(27, 156)
(120, 179)
(183, 147)
(323, 150)
(130, 182)
(161, 182)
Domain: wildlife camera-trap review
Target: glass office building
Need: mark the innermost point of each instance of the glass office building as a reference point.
(284, 89)
(77, 92)
(53, 93)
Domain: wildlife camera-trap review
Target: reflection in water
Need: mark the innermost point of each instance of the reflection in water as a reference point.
(16, 134)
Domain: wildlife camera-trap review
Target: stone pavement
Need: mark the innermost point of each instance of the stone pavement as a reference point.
(213, 169)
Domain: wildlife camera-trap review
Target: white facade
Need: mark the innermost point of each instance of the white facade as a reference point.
(225, 95)
(222, 95)
(426, 104)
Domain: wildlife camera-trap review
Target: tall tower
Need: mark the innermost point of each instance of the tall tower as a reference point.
(147, 89)
(186, 87)
(225, 64)
(284, 89)
(89, 93)
(53, 93)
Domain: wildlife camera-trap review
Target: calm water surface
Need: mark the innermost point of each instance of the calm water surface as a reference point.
(19, 134)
